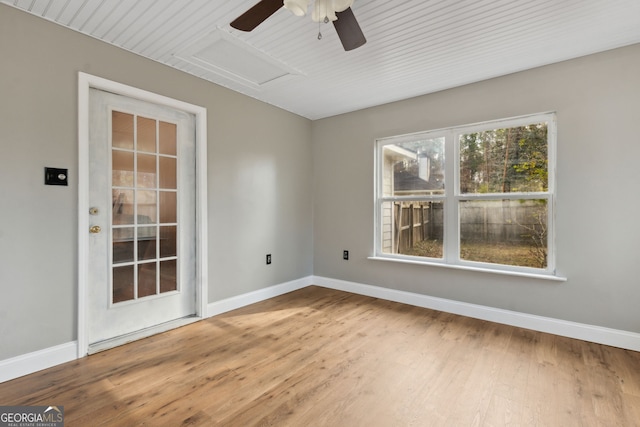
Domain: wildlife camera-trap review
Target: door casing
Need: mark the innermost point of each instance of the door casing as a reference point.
(85, 82)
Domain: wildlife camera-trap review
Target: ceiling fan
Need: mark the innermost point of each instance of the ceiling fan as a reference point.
(337, 11)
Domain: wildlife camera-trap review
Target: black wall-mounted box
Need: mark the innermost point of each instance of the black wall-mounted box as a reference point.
(56, 176)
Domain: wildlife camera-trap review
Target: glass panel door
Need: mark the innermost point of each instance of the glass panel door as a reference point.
(142, 259)
(144, 188)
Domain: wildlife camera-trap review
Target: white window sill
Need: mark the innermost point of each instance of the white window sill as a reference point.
(469, 268)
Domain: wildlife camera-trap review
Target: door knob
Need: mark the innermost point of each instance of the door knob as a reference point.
(95, 229)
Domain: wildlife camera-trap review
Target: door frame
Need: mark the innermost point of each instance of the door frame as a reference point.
(86, 82)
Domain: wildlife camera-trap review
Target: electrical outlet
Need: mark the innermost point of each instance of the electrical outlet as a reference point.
(345, 255)
(268, 259)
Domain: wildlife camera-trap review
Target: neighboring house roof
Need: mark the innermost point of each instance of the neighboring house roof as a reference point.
(406, 181)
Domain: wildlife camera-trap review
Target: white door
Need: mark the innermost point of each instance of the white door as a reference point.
(142, 217)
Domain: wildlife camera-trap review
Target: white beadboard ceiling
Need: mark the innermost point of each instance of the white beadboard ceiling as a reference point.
(413, 47)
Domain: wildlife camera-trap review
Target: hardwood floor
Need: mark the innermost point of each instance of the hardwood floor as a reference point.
(319, 357)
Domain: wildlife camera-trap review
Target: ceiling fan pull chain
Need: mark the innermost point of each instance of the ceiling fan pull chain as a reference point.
(319, 31)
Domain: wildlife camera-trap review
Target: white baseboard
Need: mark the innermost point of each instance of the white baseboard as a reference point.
(596, 334)
(43, 359)
(37, 361)
(240, 301)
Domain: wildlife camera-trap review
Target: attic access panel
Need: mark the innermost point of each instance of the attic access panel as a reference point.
(221, 53)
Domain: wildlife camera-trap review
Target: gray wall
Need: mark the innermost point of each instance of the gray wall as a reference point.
(597, 99)
(262, 197)
(259, 159)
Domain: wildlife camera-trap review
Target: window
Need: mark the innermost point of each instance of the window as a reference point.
(479, 195)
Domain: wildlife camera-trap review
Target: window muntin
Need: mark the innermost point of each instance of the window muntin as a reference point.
(494, 212)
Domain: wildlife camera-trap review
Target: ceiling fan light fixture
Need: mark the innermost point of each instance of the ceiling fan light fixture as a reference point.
(326, 11)
(342, 5)
(297, 7)
(323, 11)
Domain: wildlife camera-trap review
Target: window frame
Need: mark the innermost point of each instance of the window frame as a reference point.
(453, 196)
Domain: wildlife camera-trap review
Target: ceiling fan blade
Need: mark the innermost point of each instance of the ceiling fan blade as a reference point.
(349, 30)
(256, 15)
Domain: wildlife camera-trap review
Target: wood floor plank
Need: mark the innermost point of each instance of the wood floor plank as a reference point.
(320, 357)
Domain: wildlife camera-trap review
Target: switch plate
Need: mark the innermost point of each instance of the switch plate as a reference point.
(345, 255)
(56, 176)
(268, 259)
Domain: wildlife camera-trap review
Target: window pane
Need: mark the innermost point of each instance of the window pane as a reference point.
(168, 281)
(413, 168)
(167, 138)
(168, 241)
(504, 160)
(146, 135)
(146, 279)
(168, 172)
(413, 228)
(122, 206)
(146, 171)
(146, 243)
(168, 207)
(147, 207)
(123, 244)
(122, 165)
(122, 283)
(510, 232)
(122, 130)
